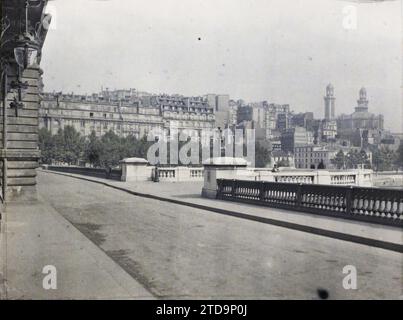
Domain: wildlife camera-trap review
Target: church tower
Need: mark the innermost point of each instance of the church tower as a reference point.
(330, 103)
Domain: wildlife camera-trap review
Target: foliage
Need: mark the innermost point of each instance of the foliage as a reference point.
(321, 165)
(93, 150)
(385, 159)
(357, 159)
(262, 156)
(46, 145)
(339, 161)
(68, 146)
(283, 163)
(399, 156)
(352, 160)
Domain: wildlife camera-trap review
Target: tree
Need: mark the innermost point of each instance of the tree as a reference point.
(110, 150)
(93, 150)
(58, 140)
(384, 159)
(66, 146)
(262, 156)
(142, 147)
(46, 145)
(283, 163)
(339, 161)
(73, 145)
(364, 160)
(321, 165)
(357, 159)
(399, 156)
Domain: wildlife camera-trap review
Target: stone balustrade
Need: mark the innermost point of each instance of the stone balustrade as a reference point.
(237, 169)
(180, 174)
(382, 206)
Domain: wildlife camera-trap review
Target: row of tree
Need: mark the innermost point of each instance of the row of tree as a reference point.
(68, 146)
(383, 159)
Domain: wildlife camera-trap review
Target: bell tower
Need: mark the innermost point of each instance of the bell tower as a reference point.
(329, 103)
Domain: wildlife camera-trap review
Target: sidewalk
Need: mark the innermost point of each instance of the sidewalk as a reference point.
(190, 193)
(34, 235)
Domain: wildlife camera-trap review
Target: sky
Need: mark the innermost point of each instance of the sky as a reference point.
(282, 51)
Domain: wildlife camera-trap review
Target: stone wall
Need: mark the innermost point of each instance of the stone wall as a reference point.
(21, 153)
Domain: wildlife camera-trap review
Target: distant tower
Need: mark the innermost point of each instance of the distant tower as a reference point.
(330, 103)
(362, 103)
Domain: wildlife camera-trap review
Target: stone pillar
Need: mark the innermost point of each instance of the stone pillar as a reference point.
(25, 28)
(182, 174)
(364, 178)
(221, 168)
(136, 169)
(21, 154)
(323, 177)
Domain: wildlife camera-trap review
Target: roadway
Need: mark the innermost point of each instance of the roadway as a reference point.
(175, 251)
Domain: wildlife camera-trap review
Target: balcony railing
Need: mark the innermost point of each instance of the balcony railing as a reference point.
(382, 206)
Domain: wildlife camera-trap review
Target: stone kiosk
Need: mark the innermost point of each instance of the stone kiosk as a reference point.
(220, 168)
(136, 169)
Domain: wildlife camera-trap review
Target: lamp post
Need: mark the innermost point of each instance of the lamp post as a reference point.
(25, 54)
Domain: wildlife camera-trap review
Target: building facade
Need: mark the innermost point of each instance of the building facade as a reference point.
(265, 117)
(314, 157)
(361, 121)
(294, 137)
(220, 104)
(124, 115)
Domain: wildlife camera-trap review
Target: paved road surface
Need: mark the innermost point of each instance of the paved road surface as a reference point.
(179, 252)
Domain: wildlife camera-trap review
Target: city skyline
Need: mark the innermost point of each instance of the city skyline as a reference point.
(200, 48)
(139, 91)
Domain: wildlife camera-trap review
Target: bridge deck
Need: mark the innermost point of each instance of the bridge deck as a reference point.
(190, 192)
(90, 231)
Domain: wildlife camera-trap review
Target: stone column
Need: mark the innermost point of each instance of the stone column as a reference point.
(221, 168)
(323, 177)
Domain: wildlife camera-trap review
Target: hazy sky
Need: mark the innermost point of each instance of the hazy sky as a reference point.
(283, 51)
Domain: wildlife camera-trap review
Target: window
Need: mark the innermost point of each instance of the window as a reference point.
(91, 114)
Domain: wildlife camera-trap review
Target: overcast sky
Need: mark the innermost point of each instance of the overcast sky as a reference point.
(283, 51)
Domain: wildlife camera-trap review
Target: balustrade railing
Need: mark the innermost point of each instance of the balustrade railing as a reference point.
(196, 173)
(382, 206)
(343, 179)
(294, 179)
(166, 173)
(180, 174)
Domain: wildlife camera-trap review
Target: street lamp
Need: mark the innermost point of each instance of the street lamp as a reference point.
(25, 55)
(26, 51)
(27, 47)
